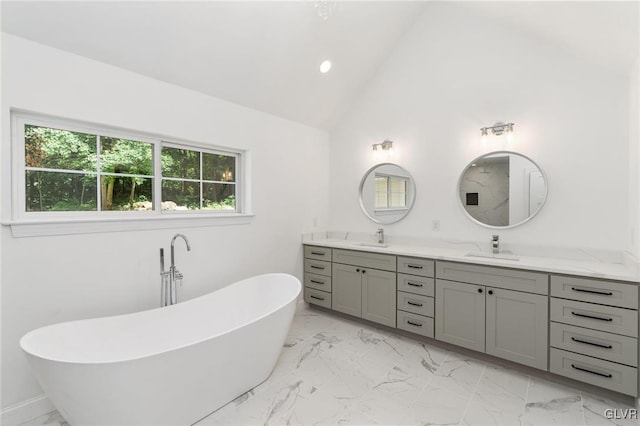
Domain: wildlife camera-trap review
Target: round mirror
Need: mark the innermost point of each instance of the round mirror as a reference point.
(387, 193)
(502, 189)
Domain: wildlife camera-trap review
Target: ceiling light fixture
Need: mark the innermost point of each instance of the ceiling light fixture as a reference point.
(325, 66)
(325, 8)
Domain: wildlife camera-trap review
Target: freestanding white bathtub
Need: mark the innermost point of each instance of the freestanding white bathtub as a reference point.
(165, 366)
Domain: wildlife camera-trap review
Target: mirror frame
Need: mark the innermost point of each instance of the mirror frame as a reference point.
(364, 178)
(478, 158)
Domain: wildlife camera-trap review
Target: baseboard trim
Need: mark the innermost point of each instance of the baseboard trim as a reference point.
(26, 410)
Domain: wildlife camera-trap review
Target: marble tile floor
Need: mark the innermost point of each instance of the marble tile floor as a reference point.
(337, 371)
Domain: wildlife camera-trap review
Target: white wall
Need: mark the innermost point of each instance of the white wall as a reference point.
(454, 73)
(634, 159)
(52, 279)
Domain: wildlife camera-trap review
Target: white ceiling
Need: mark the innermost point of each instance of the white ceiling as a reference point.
(265, 54)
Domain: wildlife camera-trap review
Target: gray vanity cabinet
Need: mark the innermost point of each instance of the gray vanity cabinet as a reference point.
(379, 296)
(594, 332)
(460, 314)
(517, 326)
(317, 275)
(486, 315)
(364, 285)
(347, 289)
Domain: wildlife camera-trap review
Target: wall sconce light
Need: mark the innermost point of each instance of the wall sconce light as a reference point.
(382, 150)
(498, 129)
(387, 145)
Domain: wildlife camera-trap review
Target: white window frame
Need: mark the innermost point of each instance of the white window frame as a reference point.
(25, 223)
(389, 207)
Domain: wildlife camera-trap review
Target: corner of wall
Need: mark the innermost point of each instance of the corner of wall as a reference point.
(634, 159)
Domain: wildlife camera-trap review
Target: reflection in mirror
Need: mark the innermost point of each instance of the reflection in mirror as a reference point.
(502, 189)
(387, 193)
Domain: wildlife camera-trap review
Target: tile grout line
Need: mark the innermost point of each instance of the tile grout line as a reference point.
(473, 393)
(584, 420)
(526, 398)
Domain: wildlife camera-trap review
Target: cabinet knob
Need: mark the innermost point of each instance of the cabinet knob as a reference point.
(490, 292)
(479, 290)
(358, 270)
(364, 272)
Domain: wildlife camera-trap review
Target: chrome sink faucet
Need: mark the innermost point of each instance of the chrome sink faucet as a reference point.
(380, 233)
(169, 292)
(495, 244)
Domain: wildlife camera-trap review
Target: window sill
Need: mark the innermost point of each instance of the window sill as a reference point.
(39, 228)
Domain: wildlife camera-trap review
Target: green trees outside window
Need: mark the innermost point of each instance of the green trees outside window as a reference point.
(74, 171)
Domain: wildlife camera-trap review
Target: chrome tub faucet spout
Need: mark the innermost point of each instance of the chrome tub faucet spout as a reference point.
(169, 294)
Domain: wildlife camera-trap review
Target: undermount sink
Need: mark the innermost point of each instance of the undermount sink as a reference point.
(503, 256)
(373, 245)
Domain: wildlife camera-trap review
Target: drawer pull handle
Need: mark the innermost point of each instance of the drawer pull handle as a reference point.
(316, 297)
(417, 324)
(592, 372)
(591, 317)
(318, 253)
(409, 265)
(317, 282)
(409, 302)
(601, 293)
(317, 267)
(414, 284)
(592, 343)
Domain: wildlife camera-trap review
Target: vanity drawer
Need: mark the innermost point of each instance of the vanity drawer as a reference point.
(416, 266)
(604, 318)
(619, 378)
(317, 253)
(596, 291)
(417, 285)
(415, 323)
(319, 282)
(385, 262)
(510, 279)
(317, 297)
(608, 346)
(421, 305)
(317, 267)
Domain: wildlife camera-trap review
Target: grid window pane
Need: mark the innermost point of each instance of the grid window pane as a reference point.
(59, 191)
(49, 148)
(398, 192)
(126, 193)
(126, 156)
(381, 199)
(221, 168)
(180, 163)
(180, 195)
(218, 196)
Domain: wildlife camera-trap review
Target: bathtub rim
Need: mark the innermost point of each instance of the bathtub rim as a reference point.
(180, 305)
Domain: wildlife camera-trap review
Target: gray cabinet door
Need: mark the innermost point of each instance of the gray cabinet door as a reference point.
(517, 326)
(379, 296)
(347, 289)
(460, 314)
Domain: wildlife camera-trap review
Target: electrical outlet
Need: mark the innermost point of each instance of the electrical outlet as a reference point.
(435, 225)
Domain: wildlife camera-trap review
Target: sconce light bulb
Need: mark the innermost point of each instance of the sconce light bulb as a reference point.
(510, 132)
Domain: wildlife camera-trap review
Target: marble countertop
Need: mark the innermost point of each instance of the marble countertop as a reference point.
(601, 264)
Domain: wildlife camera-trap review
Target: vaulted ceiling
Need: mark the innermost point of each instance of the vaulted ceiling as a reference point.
(265, 54)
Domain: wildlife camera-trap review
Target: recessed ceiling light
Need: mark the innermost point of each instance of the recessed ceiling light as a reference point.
(325, 66)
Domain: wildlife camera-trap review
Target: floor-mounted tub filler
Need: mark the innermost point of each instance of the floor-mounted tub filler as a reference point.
(171, 365)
